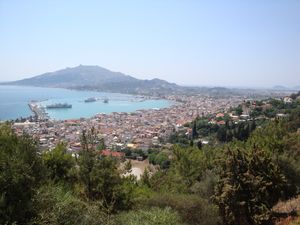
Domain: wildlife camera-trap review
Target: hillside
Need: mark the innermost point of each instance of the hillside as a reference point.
(97, 78)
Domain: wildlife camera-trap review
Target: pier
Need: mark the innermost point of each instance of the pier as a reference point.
(38, 110)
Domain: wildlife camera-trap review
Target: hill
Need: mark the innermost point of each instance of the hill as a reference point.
(97, 78)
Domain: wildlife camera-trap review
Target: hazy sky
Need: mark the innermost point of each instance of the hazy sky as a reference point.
(227, 43)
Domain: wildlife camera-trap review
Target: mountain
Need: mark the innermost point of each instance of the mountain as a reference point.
(280, 87)
(98, 78)
(297, 87)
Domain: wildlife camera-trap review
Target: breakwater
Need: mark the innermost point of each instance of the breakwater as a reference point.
(38, 110)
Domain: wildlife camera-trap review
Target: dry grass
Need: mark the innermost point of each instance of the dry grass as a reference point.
(288, 208)
(289, 221)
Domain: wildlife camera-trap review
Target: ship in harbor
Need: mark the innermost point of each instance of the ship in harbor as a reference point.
(105, 100)
(93, 99)
(59, 106)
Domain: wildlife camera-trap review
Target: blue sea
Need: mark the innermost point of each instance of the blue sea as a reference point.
(14, 102)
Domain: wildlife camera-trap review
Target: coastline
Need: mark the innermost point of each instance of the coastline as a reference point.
(129, 103)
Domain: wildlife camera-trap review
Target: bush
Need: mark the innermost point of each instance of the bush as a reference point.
(53, 205)
(153, 216)
(191, 208)
(250, 185)
(205, 187)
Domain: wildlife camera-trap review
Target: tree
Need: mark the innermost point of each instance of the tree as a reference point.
(59, 163)
(101, 178)
(250, 184)
(239, 110)
(108, 187)
(86, 162)
(20, 172)
(145, 178)
(221, 134)
(101, 145)
(270, 137)
(194, 131)
(188, 164)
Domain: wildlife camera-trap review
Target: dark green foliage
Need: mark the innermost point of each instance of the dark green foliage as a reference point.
(278, 104)
(250, 185)
(256, 112)
(101, 145)
(107, 185)
(206, 185)
(186, 168)
(102, 182)
(239, 110)
(223, 133)
(293, 122)
(101, 179)
(270, 138)
(290, 166)
(204, 128)
(194, 131)
(295, 95)
(145, 178)
(231, 131)
(179, 138)
(199, 144)
(159, 158)
(188, 164)
(86, 163)
(59, 164)
(20, 173)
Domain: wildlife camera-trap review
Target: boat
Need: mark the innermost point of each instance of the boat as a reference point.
(90, 100)
(59, 106)
(105, 100)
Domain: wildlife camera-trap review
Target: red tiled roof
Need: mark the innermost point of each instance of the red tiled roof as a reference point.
(220, 115)
(112, 153)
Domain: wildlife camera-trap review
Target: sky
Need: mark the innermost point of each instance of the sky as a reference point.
(245, 43)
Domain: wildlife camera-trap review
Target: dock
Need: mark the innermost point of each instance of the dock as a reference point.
(38, 110)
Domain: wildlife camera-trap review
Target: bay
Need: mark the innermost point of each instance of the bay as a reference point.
(14, 102)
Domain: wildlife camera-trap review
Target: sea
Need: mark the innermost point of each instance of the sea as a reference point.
(14, 102)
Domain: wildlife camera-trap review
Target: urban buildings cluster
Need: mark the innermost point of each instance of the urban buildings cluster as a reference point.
(137, 130)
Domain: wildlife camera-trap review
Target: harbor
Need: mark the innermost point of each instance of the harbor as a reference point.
(34, 101)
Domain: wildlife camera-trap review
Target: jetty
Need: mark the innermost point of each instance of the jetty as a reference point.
(38, 110)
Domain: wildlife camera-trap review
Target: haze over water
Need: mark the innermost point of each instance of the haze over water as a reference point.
(14, 102)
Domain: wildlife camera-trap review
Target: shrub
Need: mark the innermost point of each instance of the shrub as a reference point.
(153, 216)
(53, 205)
(191, 208)
(250, 185)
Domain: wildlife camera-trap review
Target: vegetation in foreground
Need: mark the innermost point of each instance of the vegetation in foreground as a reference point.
(237, 182)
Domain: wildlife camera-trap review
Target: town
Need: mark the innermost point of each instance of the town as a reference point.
(139, 130)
